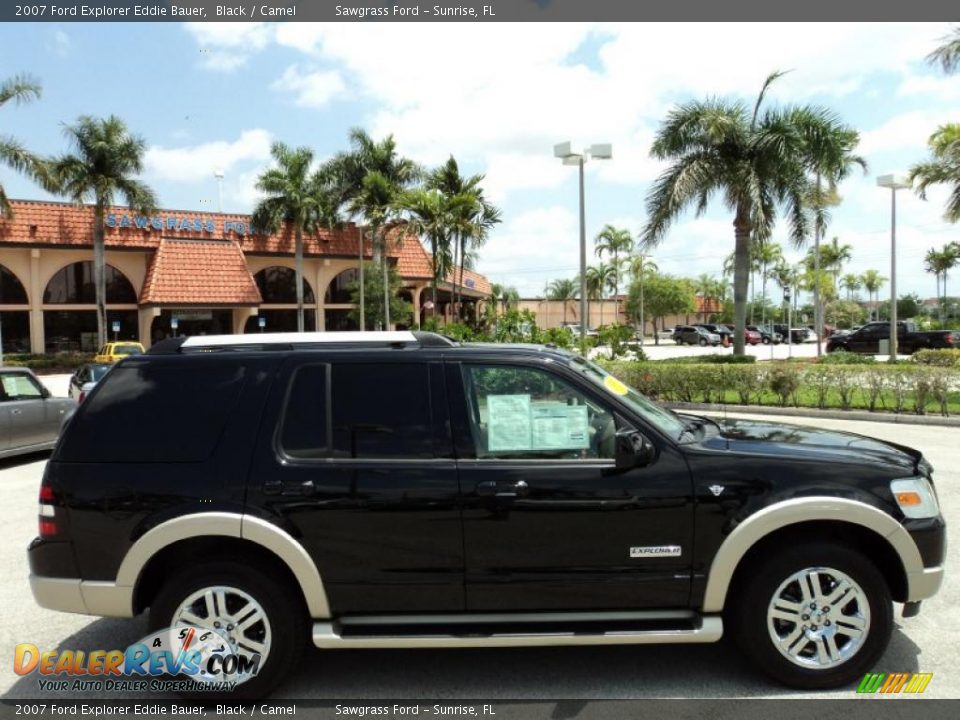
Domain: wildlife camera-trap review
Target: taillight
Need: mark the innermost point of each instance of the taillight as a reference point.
(82, 396)
(48, 512)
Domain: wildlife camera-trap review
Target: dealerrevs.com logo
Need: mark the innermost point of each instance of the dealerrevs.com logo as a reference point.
(202, 660)
(894, 683)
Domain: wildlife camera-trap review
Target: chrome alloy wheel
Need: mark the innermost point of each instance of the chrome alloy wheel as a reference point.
(818, 618)
(233, 614)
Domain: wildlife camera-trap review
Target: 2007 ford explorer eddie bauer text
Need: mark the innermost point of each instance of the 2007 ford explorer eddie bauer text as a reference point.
(400, 490)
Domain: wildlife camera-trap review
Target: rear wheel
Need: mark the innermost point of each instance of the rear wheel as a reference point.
(251, 608)
(814, 616)
(703, 342)
(766, 341)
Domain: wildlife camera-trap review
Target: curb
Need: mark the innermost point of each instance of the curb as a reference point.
(861, 415)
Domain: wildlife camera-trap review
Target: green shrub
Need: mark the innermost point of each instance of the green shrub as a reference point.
(710, 360)
(842, 357)
(459, 332)
(53, 363)
(945, 357)
(784, 381)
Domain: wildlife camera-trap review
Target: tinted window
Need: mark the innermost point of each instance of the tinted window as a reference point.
(155, 413)
(371, 410)
(381, 411)
(305, 429)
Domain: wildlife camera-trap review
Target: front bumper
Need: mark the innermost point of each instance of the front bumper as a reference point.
(924, 583)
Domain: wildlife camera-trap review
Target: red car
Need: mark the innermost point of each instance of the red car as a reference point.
(751, 337)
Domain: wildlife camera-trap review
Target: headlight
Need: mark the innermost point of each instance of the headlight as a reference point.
(915, 497)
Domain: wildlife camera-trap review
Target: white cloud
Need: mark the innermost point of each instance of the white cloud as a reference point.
(226, 47)
(197, 163)
(61, 44)
(906, 131)
(313, 89)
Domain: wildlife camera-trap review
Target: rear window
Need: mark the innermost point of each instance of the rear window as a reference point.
(155, 412)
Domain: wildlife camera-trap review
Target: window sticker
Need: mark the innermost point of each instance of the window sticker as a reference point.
(558, 426)
(615, 386)
(509, 422)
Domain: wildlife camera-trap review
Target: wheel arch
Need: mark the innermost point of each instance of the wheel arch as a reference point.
(871, 529)
(201, 531)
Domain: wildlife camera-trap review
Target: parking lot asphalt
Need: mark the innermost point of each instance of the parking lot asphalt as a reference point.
(924, 644)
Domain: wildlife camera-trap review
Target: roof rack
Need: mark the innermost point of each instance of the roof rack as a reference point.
(299, 341)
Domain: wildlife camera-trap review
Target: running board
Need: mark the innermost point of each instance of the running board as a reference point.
(516, 630)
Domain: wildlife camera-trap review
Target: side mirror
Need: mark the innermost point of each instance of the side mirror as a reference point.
(45, 391)
(633, 450)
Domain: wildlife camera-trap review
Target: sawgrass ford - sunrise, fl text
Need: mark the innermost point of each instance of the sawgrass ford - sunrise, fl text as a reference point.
(151, 11)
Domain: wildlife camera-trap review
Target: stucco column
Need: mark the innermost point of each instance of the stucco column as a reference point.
(37, 339)
(415, 296)
(319, 289)
(145, 316)
(240, 316)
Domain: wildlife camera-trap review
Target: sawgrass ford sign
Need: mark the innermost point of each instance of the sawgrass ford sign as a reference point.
(173, 222)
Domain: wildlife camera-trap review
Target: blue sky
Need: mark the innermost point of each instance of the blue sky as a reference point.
(498, 97)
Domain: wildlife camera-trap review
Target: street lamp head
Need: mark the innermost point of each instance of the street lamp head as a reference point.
(895, 181)
(601, 151)
(218, 174)
(563, 151)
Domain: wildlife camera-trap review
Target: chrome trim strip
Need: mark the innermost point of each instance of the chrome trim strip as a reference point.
(789, 512)
(326, 635)
(534, 617)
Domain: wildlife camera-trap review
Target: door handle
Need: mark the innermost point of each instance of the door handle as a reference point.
(279, 487)
(506, 490)
(16, 411)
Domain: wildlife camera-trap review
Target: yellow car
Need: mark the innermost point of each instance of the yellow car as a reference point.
(116, 351)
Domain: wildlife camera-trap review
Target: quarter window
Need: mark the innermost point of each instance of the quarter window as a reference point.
(359, 411)
(518, 412)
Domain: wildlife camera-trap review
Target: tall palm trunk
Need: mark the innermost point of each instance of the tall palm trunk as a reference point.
(741, 275)
(817, 319)
(363, 320)
(763, 297)
(463, 262)
(386, 282)
(616, 287)
(99, 273)
(944, 303)
(298, 268)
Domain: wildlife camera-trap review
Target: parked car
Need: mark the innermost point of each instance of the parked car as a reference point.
(768, 336)
(533, 499)
(909, 338)
(85, 379)
(722, 330)
(115, 351)
(797, 335)
(574, 328)
(30, 417)
(694, 335)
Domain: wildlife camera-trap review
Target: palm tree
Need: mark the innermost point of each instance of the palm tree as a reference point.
(756, 161)
(766, 254)
(947, 55)
(851, 282)
(104, 163)
(872, 282)
(564, 290)
(429, 216)
(19, 89)
(942, 168)
(834, 256)
(640, 266)
(369, 180)
(296, 196)
(613, 241)
(940, 263)
(600, 278)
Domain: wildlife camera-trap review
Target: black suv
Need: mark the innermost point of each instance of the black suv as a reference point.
(400, 490)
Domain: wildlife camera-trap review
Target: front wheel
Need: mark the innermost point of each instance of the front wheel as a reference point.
(262, 622)
(703, 342)
(814, 616)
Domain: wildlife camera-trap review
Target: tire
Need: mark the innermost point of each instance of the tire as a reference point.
(766, 341)
(780, 577)
(285, 626)
(703, 342)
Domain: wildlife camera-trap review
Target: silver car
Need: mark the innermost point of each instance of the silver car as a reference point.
(30, 417)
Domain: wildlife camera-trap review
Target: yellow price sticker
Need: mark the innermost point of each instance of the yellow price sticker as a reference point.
(615, 386)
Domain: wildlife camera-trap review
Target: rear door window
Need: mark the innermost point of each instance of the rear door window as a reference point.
(155, 412)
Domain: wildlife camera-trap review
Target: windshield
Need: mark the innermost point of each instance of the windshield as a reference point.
(663, 419)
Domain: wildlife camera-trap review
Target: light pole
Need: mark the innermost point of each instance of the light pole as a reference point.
(218, 174)
(598, 152)
(894, 182)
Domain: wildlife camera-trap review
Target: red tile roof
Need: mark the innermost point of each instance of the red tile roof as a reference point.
(199, 272)
(36, 223)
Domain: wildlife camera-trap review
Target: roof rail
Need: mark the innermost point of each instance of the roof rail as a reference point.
(298, 341)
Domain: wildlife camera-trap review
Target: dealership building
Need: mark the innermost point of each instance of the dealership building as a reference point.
(184, 272)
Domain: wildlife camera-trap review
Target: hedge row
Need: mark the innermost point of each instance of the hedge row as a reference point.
(896, 388)
(52, 363)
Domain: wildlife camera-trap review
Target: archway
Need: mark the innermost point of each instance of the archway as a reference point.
(14, 324)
